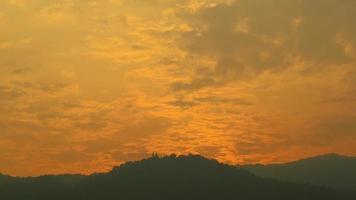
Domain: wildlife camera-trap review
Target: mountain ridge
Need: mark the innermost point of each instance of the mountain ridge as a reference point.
(331, 170)
(170, 177)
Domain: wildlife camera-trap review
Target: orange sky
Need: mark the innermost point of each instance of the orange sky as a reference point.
(85, 84)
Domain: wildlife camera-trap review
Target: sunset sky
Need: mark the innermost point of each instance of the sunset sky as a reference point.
(89, 84)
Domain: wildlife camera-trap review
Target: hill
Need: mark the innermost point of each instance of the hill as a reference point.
(330, 170)
(183, 177)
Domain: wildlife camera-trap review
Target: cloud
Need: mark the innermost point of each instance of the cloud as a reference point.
(335, 128)
(10, 94)
(138, 130)
(73, 156)
(210, 151)
(247, 38)
(223, 100)
(130, 152)
(144, 127)
(114, 80)
(195, 84)
(183, 103)
(350, 81)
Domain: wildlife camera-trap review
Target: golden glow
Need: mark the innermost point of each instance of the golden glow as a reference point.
(85, 84)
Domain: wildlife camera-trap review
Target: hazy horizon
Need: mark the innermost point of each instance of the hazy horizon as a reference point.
(162, 156)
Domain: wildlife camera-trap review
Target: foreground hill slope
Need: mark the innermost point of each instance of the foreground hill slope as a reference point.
(39, 188)
(184, 177)
(327, 170)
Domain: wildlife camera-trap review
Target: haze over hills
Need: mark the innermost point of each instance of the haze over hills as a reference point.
(170, 177)
(330, 170)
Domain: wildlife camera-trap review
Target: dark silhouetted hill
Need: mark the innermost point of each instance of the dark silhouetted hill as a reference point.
(171, 177)
(330, 170)
(39, 188)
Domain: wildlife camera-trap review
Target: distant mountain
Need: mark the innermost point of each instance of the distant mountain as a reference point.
(4, 179)
(330, 170)
(183, 177)
(39, 188)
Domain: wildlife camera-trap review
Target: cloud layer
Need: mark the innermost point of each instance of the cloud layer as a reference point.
(85, 85)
